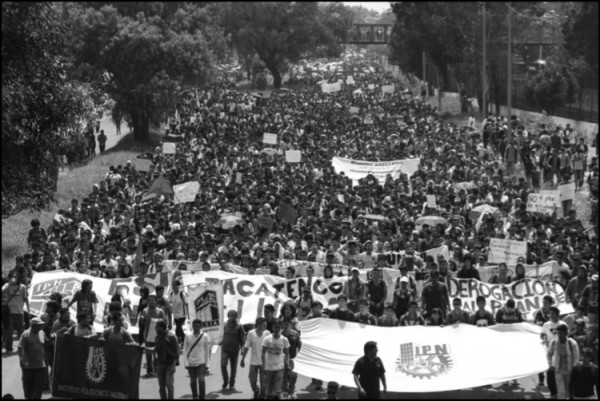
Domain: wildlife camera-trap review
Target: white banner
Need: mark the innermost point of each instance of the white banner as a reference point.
(187, 192)
(169, 148)
(371, 86)
(293, 156)
(354, 110)
(357, 169)
(270, 139)
(506, 250)
(442, 250)
(527, 293)
(350, 80)
(143, 164)
(545, 202)
(205, 302)
(421, 359)
(544, 271)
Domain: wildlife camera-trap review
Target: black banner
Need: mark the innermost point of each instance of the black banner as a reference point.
(95, 369)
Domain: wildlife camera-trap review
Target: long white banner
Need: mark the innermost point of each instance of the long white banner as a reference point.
(423, 359)
(527, 294)
(357, 169)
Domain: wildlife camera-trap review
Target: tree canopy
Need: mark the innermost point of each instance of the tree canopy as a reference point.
(41, 106)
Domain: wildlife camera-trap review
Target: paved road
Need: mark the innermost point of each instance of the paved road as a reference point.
(524, 388)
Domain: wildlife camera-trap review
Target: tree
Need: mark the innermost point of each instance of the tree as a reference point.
(151, 50)
(41, 107)
(279, 32)
(551, 88)
(580, 27)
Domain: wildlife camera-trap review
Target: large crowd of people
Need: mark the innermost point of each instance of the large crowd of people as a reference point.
(219, 132)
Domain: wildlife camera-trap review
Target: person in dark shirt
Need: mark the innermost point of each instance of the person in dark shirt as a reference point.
(368, 371)
(468, 270)
(376, 293)
(233, 341)
(585, 377)
(363, 316)
(269, 312)
(509, 314)
(289, 376)
(167, 358)
(342, 312)
(435, 294)
(482, 317)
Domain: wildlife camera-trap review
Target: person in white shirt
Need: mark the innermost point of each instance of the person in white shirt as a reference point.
(275, 358)
(548, 334)
(254, 342)
(195, 349)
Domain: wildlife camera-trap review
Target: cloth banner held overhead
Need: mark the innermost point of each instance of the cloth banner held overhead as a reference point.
(94, 369)
(187, 192)
(270, 139)
(293, 156)
(548, 271)
(527, 293)
(205, 302)
(357, 169)
(506, 250)
(422, 359)
(388, 88)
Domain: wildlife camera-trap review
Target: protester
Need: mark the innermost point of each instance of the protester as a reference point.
(233, 341)
(14, 297)
(563, 356)
(509, 313)
(389, 318)
(32, 359)
(342, 312)
(275, 358)
(85, 298)
(289, 376)
(196, 351)
(368, 371)
(482, 317)
(84, 327)
(332, 391)
(117, 333)
(412, 317)
(254, 341)
(178, 301)
(585, 378)
(457, 314)
(149, 318)
(167, 358)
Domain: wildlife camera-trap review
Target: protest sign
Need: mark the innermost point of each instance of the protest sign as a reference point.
(93, 369)
(270, 139)
(357, 169)
(371, 86)
(369, 120)
(205, 302)
(287, 213)
(264, 221)
(238, 178)
(527, 293)
(545, 202)
(431, 203)
(169, 148)
(363, 51)
(354, 110)
(350, 80)
(187, 192)
(442, 250)
(506, 250)
(567, 191)
(545, 271)
(340, 198)
(422, 359)
(388, 89)
(293, 156)
(143, 164)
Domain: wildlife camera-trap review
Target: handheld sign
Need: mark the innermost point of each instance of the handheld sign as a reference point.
(187, 192)
(567, 191)
(545, 202)
(354, 110)
(431, 203)
(293, 156)
(169, 148)
(387, 89)
(270, 139)
(238, 178)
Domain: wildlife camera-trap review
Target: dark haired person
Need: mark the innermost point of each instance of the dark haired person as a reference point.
(482, 317)
(86, 299)
(548, 334)
(563, 356)
(342, 312)
(167, 358)
(585, 378)
(14, 297)
(254, 341)
(195, 352)
(368, 372)
(509, 313)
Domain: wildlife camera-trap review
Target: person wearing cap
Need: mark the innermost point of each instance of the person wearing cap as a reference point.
(589, 299)
(32, 359)
(368, 371)
(563, 356)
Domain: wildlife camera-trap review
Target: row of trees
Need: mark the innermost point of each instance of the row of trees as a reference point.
(61, 60)
(451, 35)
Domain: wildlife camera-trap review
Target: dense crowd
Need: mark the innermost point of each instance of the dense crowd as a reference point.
(219, 132)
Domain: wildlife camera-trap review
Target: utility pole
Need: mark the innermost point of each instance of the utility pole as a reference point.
(483, 70)
(509, 83)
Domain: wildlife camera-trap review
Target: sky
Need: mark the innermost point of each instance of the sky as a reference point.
(378, 6)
